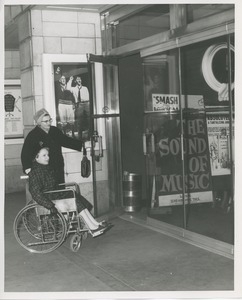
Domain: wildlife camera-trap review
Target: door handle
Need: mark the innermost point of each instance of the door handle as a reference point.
(100, 146)
(151, 139)
(144, 144)
(96, 138)
(152, 143)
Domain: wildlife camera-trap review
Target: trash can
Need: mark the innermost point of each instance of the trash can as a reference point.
(132, 191)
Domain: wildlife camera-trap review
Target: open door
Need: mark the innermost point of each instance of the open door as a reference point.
(119, 174)
(105, 134)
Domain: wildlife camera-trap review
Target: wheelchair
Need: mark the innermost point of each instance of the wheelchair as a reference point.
(38, 231)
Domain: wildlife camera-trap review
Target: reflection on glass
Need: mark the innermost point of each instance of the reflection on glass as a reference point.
(207, 76)
(199, 11)
(205, 144)
(161, 85)
(147, 22)
(111, 101)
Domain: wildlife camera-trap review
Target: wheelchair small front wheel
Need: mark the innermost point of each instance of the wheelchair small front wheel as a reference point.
(83, 229)
(84, 235)
(75, 242)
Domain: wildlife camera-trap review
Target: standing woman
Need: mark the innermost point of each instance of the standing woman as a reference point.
(45, 135)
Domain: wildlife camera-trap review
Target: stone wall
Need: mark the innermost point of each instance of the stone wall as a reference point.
(12, 148)
(12, 64)
(43, 32)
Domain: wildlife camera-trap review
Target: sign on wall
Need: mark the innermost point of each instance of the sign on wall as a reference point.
(165, 102)
(219, 148)
(171, 102)
(13, 111)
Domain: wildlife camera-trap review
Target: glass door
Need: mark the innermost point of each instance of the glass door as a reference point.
(119, 168)
(162, 137)
(188, 137)
(207, 70)
(105, 136)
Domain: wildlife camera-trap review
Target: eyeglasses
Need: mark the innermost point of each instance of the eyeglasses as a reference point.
(47, 121)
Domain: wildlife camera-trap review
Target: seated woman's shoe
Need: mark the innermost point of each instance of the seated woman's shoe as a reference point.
(103, 223)
(97, 231)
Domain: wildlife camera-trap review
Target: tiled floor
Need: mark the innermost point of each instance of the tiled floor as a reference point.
(127, 258)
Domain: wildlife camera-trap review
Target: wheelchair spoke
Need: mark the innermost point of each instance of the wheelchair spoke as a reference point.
(39, 233)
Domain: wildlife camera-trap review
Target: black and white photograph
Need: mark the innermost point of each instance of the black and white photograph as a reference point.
(72, 100)
(121, 151)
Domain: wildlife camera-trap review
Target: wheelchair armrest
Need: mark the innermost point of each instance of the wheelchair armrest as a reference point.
(62, 190)
(72, 185)
(68, 184)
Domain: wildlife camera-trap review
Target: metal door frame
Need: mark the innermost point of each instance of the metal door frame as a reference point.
(91, 60)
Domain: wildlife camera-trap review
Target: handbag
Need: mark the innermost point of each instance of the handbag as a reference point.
(85, 164)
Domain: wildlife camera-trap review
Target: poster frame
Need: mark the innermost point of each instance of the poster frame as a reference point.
(18, 138)
(48, 62)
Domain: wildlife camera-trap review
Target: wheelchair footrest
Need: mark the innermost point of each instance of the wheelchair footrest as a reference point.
(96, 233)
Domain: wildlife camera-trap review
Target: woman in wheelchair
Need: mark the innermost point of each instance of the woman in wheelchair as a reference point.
(42, 179)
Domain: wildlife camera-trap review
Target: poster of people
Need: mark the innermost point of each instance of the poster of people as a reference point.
(72, 100)
(218, 138)
(168, 178)
(13, 112)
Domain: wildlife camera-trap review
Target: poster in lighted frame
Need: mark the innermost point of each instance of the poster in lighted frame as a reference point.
(67, 114)
(13, 110)
(72, 100)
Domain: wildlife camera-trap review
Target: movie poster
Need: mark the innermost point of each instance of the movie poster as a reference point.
(72, 99)
(219, 139)
(169, 182)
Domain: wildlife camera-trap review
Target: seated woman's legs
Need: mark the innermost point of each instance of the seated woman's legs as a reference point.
(88, 219)
(82, 207)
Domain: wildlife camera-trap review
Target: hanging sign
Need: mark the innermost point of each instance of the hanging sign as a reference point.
(197, 178)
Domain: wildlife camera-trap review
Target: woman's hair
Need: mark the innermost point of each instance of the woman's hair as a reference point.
(38, 151)
(40, 114)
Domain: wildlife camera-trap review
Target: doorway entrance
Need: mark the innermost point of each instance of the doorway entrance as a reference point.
(177, 188)
(131, 127)
(117, 130)
(105, 135)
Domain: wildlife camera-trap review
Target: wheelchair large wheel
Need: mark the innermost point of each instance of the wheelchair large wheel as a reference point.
(38, 232)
